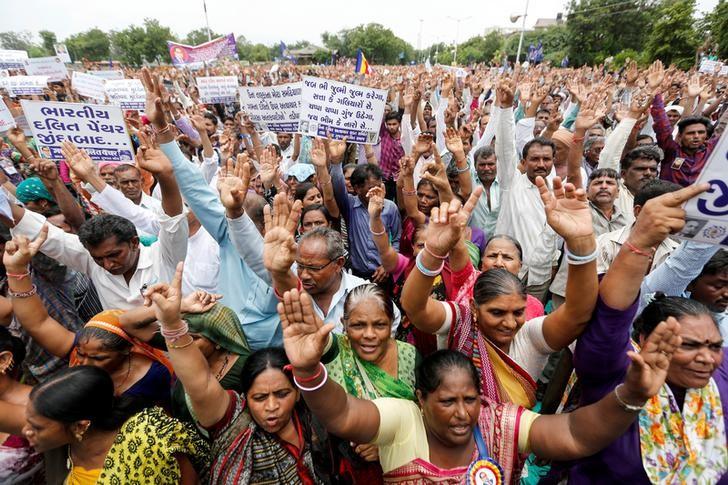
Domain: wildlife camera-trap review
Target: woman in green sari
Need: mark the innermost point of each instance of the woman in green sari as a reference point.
(369, 364)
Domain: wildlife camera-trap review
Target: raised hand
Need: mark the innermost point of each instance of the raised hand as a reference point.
(16, 137)
(78, 160)
(590, 113)
(269, 165)
(198, 122)
(567, 209)
(279, 245)
(662, 216)
(233, 183)
(153, 108)
(648, 371)
(407, 166)
(631, 74)
(318, 153)
(555, 119)
(408, 98)
(423, 143)
(640, 103)
(504, 93)
(454, 143)
(304, 333)
(150, 157)
(655, 75)
(694, 87)
(199, 301)
(335, 150)
(46, 169)
(448, 222)
(21, 250)
(376, 202)
(166, 299)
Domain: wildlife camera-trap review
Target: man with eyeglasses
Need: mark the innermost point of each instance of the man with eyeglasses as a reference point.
(318, 268)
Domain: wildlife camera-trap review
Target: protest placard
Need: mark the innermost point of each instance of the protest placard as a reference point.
(6, 117)
(342, 110)
(25, 85)
(62, 52)
(126, 93)
(219, 48)
(706, 216)
(12, 59)
(708, 66)
(51, 67)
(217, 89)
(88, 85)
(100, 130)
(273, 108)
(108, 75)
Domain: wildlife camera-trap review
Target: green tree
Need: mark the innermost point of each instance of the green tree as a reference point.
(94, 45)
(199, 36)
(597, 29)
(21, 41)
(49, 39)
(379, 44)
(673, 38)
(128, 45)
(554, 40)
(155, 41)
(716, 23)
(254, 52)
(480, 48)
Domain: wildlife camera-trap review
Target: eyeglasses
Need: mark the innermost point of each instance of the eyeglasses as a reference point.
(313, 269)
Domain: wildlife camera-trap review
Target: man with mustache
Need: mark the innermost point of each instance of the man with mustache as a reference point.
(602, 191)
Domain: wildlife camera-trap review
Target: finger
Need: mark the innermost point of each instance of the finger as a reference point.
(569, 191)
(559, 191)
(473, 199)
(294, 217)
(41, 238)
(443, 213)
(177, 280)
(544, 192)
(281, 307)
(678, 197)
(267, 218)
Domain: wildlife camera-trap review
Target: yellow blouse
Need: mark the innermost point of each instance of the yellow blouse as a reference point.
(80, 476)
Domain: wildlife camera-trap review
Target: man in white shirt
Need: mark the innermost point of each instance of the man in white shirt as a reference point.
(129, 182)
(522, 213)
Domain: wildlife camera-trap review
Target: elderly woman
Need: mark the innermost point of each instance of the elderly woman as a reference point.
(493, 323)
(448, 434)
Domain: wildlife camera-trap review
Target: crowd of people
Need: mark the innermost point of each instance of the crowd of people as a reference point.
(492, 291)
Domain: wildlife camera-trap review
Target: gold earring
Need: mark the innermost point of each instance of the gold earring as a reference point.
(79, 437)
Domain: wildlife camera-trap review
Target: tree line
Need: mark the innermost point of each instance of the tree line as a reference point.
(594, 30)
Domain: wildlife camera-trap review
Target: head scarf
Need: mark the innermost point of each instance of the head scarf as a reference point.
(220, 325)
(564, 136)
(109, 320)
(32, 189)
(302, 171)
(675, 107)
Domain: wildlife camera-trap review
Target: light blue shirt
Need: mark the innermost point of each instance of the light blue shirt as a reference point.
(244, 283)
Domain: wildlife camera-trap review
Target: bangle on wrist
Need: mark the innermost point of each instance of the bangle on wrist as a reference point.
(23, 294)
(464, 169)
(630, 408)
(174, 334)
(163, 131)
(436, 256)
(375, 233)
(634, 249)
(425, 271)
(576, 260)
(191, 340)
(411, 193)
(18, 276)
(305, 380)
(318, 386)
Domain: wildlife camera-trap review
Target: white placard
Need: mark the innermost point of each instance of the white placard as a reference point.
(100, 130)
(6, 118)
(51, 67)
(108, 75)
(706, 218)
(10, 59)
(26, 85)
(88, 85)
(126, 93)
(342, 110)
(217, 89)
(709, 66)
(273, 108)
(62, 52)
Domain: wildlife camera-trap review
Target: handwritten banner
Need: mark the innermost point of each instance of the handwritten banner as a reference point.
(62, 52)
(273, 108)
(108, 75)
(11, 59)
(706, 218)
(88, 85)
(25, 85)
(217, 89)
(126, 93)
(342, 110)
(221, 47)
(51, 67)
(100, 130)
(6, 117)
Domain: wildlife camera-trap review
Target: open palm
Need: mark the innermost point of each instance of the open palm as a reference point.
(304, 334)
(567, 209)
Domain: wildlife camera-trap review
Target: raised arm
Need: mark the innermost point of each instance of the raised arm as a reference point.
(616, 141)
(209, 399)
(387, 254)
(27, 305)
(455, 145)
(505, 147)
(279, 250)
(48, 172)
(409, 193)
(447, 224)
(318, 159)
(305, 337)
(591, 112)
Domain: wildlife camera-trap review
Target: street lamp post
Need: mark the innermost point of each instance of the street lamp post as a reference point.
(457, 35)
(514, 18)
(207, 22)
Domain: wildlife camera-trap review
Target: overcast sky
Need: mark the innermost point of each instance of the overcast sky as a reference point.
(272, 21)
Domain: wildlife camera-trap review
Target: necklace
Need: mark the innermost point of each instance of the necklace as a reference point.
(224, 365)
(128, 372)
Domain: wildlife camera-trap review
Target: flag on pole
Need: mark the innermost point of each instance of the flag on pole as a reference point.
(362, 66)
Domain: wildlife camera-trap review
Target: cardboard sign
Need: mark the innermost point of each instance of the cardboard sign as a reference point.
(62, 52)
(100, 130)
(217, 89)
(51, 67)
(706, 218)
(6, 118)
(25, 85)
(273, 108)
(11, 59)
(108, 75)
(126, 93)
(88, 85)
(341, 110)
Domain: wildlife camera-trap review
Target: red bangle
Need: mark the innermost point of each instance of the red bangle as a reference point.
(638, 251)
(409, 192)
(18, 276)
(304, 380)
(436, 256)
(299, 287)
(578, 139)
